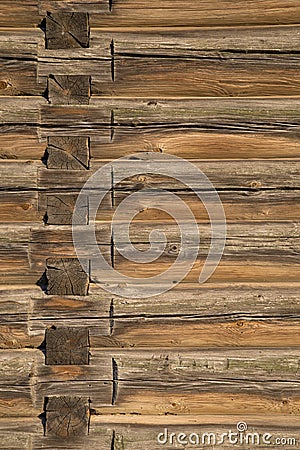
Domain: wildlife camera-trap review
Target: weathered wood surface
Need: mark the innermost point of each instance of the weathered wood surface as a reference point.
(185, 143)
(221, 63)
(226, 174)
(211, 63)
(66, 277)
(188, 316)
(67, 30)
(68, 153)
(67, 416)
(135, 381)
(155, 78)
(157, 13)
(247, 248)
(240, 115)
(108, 433)
(245, 205)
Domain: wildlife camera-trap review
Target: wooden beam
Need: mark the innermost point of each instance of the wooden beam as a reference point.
(67, 346)
(66, 277)
(67, 30)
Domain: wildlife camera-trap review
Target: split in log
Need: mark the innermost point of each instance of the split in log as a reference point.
(60, 210)
(66, 416)
(65, 276)
(70, 152)
(67, 346)
(69, 89)
(67, 30)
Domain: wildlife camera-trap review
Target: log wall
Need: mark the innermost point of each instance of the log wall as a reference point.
(83, 83)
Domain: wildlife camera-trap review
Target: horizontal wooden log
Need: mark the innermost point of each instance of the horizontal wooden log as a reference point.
(193, 42)
(16, 434)
(93, 6)
(271, 205)
(25, 14)
(247, 247)
(107, 430)
(20, 43)
(19, 207)
(228, 174)
(72, 64)
(228, 271)
(20, 144)
(238, 115)
(241, 373)
(139, 399)
(19, 77)
(112, 432)
(198, 333)
(256, 205)
(28, 13)
(225, 174)
(148, 429)
(180, 13)
(17, 175)
(67, 30)
(207, 62)
(215, 76)
(187, 316)
(20, 111)
(196, 144)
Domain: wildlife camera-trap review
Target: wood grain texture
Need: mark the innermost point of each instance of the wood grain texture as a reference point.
(196, 143)
(67, 30)
(69, 89)
(219, 63)
(67, 346)
(60, 210)
(225, 174)
(20, 144)
(68, 152)
(189, 316)
(240, 115)
(67, 416)
(66, 277)
(202, 13)
(216, 84)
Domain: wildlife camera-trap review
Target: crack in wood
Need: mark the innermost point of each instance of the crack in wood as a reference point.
(69, 89)
(113, 437)
(66, 416)
(112, 250)
(115, 372)
(65, 30)
(110, 5)
(112, 187)
(67, 346)
(111, 317)
(112, 124)
(112, 52)
(65, 276)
